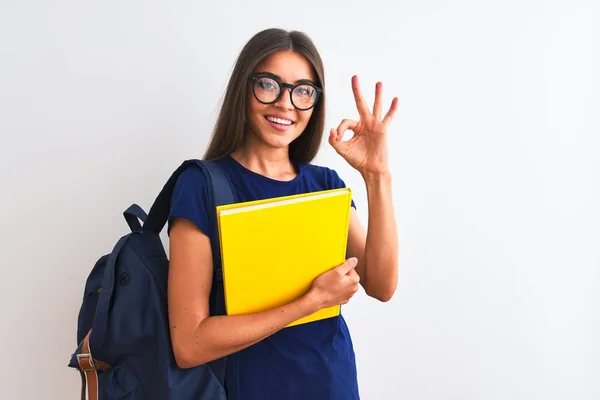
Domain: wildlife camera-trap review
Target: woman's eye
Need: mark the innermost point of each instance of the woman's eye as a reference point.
(266, 85)
(305, 91)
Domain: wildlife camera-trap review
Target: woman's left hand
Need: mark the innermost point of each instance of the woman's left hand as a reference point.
(366, 151)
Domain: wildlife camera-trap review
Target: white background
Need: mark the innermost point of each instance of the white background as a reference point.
(494, 153)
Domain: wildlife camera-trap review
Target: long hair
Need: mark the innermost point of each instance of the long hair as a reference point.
(230, 128)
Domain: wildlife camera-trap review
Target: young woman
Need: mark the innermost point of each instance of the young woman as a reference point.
(268, 131)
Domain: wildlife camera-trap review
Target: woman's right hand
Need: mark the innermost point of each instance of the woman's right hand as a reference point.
(337, 285)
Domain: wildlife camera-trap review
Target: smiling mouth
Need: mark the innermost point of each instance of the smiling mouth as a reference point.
(279, 121)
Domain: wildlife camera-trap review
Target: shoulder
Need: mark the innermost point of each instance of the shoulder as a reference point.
(191, 183)
(189, 198)
(190, 176)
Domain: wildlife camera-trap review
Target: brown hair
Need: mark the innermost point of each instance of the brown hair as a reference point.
(230, 128)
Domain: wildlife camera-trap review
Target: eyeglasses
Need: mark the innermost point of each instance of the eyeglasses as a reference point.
(268, 90)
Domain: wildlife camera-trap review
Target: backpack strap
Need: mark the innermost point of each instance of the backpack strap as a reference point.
(220, 192)
(108, 286)
(88, 369)
(88, 366)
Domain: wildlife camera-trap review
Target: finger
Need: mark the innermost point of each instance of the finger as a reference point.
(392, 111)
(348, 265)
(344, 126)
(361, 104)
(377, 103)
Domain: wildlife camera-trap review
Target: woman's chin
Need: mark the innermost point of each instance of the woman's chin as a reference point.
(278, 139)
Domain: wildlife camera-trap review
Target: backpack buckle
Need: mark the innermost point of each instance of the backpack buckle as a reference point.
(86, 362)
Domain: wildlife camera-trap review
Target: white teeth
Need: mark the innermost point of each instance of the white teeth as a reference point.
(280, 121)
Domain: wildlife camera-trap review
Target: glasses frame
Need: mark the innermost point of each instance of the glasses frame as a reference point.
(282, 86)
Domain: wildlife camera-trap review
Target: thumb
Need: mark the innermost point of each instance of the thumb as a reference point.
(348, 266)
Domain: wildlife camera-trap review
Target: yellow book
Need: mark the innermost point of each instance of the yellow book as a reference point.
(273, 249)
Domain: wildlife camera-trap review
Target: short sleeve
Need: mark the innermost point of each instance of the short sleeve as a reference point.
(189, 199)
(336, 183)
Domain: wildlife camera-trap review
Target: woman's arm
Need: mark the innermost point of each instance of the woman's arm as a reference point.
(367, 152)
(376, 249)
(198, 338)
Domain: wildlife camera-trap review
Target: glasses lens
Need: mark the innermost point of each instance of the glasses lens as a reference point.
(266, 90)
(304, 96)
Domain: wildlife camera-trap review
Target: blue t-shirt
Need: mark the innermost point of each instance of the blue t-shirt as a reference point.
(312, 361)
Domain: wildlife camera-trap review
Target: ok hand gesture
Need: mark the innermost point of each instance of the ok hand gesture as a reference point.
(366, 151)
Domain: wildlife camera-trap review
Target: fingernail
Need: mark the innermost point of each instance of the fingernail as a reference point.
(354, 260)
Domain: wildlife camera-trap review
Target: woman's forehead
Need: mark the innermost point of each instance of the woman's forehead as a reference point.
(289, 66)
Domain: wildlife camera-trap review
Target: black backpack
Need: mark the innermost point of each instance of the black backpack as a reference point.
(124, 349)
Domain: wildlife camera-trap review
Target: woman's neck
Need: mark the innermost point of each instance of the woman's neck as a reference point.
(266, 161)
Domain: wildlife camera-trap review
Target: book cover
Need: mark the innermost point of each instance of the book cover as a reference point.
(273, 249)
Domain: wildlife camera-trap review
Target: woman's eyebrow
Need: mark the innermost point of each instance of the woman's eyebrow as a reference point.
(272, 75)
(306, 81)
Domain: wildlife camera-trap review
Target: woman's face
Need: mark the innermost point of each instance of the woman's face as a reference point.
(280, 123)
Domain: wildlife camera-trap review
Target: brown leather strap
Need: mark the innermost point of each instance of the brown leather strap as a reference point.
(88, 367)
